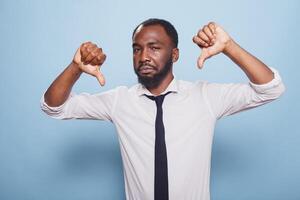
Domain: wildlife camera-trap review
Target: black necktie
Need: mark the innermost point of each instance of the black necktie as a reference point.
(161, 191)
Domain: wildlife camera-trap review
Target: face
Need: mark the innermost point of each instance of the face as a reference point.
(153, 55)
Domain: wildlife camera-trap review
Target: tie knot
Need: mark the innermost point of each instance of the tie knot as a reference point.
(158, 99)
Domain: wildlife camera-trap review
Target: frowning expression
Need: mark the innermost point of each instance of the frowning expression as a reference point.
(153, 51)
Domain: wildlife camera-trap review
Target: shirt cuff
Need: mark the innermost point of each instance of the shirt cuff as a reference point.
(276, 81)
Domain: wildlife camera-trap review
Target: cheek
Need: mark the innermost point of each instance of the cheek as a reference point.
(162, 59)
(135, 61)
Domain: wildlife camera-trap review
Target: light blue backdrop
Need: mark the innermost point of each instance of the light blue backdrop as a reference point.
(255, 153)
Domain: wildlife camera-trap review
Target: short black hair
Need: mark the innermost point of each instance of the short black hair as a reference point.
(167, 26)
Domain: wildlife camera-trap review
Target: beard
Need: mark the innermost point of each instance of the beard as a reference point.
(156, 79)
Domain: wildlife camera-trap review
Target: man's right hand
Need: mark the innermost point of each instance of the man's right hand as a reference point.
(89, 58)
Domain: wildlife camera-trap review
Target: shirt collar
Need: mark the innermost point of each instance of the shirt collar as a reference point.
(173, 87)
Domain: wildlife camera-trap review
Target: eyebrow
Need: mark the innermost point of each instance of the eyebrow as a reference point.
(150, 43)
(135, 44)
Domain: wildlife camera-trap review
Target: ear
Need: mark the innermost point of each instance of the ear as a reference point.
(175, 54)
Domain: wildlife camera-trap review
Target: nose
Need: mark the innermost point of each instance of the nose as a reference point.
(144, 56)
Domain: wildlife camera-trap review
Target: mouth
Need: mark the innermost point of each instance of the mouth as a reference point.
(146, 69)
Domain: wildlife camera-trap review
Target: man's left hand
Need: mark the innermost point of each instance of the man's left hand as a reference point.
(212, 39)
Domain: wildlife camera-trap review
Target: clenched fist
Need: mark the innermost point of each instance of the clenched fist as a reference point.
(212, 39)
(89, 58)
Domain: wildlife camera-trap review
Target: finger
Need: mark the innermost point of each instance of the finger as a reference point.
(83, 52)
(87, 48)
(201, 60)
(85, 44)
(212, 27)
(203, 36)
(99, 59)
(97, 53)
(201, 43)
(208, 33)
(100, 77)
(95, 61)
(83, 48)
(91, 55)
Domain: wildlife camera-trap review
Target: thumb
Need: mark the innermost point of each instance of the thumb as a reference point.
(100, 77)
(201, 59)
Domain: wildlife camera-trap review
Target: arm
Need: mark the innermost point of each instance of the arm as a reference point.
(226, 99)
(213, 40)
(256, 70)
(87, 59)
(60, 89)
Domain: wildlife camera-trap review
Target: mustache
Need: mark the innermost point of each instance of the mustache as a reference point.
(143, 65)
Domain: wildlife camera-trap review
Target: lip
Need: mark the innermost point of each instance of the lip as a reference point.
(146, 69)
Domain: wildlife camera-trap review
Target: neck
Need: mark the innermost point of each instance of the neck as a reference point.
(163, 85)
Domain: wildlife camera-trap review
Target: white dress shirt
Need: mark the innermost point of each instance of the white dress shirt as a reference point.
(189, 114)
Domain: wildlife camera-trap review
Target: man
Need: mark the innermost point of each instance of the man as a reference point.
(165, 126)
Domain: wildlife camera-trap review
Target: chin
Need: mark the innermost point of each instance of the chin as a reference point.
(147, 75)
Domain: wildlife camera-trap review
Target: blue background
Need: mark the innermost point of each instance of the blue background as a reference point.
(255, 153)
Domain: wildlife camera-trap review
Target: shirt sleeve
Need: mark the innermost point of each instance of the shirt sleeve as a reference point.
(228, 99)
(84, 106)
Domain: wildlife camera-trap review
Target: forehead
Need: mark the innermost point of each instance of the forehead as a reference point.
(150, 34)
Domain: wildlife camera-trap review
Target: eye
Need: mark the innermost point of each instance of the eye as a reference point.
(135, 49)
(154, 48)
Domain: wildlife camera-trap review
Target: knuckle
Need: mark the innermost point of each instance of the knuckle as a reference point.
(83, 60)
(94, 62)
(86, 44)
(199, 33)
(88, 57)
(103, 58)
(84, 53)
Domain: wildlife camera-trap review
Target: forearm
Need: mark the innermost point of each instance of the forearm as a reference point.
(256, 70)
(60, 89)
